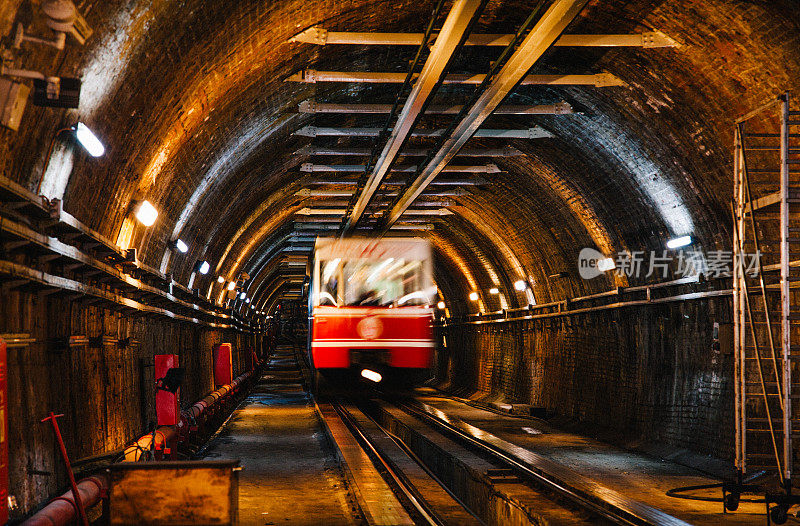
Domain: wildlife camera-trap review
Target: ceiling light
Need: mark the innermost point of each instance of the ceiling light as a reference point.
(242, 295)
(89, 140)
(520, 285)
(247, 300)
(220, 279)
(146, 213)
(181, 246)
(473, 296)
(440, 305)
(231, 285)
(203, 267)
(679, 242)
(494, 290)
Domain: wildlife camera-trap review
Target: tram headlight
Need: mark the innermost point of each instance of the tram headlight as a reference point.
(369, 374)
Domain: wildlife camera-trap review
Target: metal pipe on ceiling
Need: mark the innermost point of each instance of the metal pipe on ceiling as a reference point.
(534, 132)
(455, 27)
(311, 106)
(321, 36)
(598, 80)
(549, 27)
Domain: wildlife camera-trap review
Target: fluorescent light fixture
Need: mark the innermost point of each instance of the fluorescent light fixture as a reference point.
(520, 285)
(220, 279)
(494, 290)
(440, 305)
(606, 264)
(146, 213)
(89, 140)
(181, 246)
(473, 296)
(371, 375)
(231, 285)
(679, 242)
(203, 267)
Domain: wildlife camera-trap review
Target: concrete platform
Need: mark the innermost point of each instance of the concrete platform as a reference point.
(632, 474)
(290, 474)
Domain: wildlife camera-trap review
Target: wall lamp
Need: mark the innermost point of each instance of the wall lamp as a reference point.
(679, 242)
(473, 296)
(440, 305)
(231, 285)
(220, 280)
(145, 212)
(180, 246)
(202, 267)
(520, 285)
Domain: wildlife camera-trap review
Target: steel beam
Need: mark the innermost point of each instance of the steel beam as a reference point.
(441, 182)
(507, 151)
(546, 31)
(340, 211)
(310, 76)
(453, 30)
(358, 168)
(333, 227)
(534, 132)
(327, 202)
(321, 36)
(307, 192)
(310, 106)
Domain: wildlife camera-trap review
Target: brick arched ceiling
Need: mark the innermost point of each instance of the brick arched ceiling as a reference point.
(191, 101)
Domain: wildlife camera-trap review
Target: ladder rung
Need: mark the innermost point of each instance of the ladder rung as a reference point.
(764, 420)
(768, 149)
(770, 384)
(767, 135)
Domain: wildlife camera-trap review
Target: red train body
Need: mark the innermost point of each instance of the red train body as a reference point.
(370, 305)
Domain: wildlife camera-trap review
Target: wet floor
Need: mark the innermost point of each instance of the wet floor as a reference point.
(635, 475)
(290, 474)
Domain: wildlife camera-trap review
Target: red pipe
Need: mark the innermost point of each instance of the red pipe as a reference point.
(62, 510)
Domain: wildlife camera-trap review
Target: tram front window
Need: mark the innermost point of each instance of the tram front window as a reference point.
(362, 283)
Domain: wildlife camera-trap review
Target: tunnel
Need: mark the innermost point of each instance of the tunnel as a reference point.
(595, 200)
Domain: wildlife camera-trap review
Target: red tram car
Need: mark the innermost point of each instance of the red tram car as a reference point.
(370, 308)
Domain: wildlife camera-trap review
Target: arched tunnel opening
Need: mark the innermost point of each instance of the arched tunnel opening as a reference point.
(562, 231)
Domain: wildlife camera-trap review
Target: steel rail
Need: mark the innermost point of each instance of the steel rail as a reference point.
(549, 27)
(634, 513)
(455, 28)
(400, 481)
